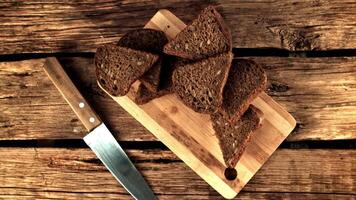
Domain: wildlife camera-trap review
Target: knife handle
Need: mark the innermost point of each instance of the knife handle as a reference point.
(71, 94)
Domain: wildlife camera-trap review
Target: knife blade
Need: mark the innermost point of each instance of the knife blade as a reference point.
(99, 139)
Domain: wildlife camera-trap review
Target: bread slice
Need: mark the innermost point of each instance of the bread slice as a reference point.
(148, 40)
(152, 78)
(234, 137)
(206, 36)
(170, 63)
(118, 67)
(159, 77)
(200, 84)
(144, 95)
(245, 82)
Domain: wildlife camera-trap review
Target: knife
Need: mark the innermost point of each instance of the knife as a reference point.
(99, 138)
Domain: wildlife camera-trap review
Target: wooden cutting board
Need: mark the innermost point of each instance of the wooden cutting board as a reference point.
(190, 135)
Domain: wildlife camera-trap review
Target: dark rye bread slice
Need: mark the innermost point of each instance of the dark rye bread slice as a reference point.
(170, 64)
(234, 137)
(144, 95)
(118, 67)
(160, 78)
(206, 36)
(245, 82)
(148, 40)
(151, 79)
(200, 84)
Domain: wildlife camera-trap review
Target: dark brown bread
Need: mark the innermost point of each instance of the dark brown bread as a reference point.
(206, 36)
(164, 76)
(152, 78)
(118, 67)
(200, 84)
(148, 40)
(245, 82)
(234, 137)
(170, 64)
(144, 95)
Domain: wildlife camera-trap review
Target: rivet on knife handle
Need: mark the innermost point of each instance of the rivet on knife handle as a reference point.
(71, 94)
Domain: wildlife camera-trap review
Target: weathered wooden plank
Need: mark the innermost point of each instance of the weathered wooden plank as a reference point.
(76, 173)
(78, 26)
(319, 92)
(16, 193)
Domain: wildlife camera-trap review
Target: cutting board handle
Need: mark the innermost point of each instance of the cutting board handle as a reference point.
(71, 94)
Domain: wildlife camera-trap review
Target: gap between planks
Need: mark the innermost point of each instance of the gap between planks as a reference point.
(152, 145)
(238, 52)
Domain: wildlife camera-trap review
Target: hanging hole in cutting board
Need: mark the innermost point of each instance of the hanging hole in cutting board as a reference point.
(230, 174)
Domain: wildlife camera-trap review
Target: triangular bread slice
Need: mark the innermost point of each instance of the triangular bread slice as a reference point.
(206, 36)
(245, 82)
(144, 95)
(234, 137)
(152, 78)
(118, 67)
(148, 40)
(200, 84)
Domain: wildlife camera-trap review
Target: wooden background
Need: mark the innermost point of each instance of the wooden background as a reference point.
(307, 48)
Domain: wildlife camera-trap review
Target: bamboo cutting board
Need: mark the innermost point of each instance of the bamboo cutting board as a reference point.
(190, 135)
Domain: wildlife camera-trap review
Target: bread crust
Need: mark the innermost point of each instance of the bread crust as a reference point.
(223, 25)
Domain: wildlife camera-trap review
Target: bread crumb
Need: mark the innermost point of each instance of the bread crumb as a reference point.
(208, 42)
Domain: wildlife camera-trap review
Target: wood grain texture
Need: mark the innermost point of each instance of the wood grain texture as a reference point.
(43, 194)
(50, 173)
(80, 26)
(319, 92)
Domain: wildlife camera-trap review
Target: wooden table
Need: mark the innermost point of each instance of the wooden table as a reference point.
(307, 48)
